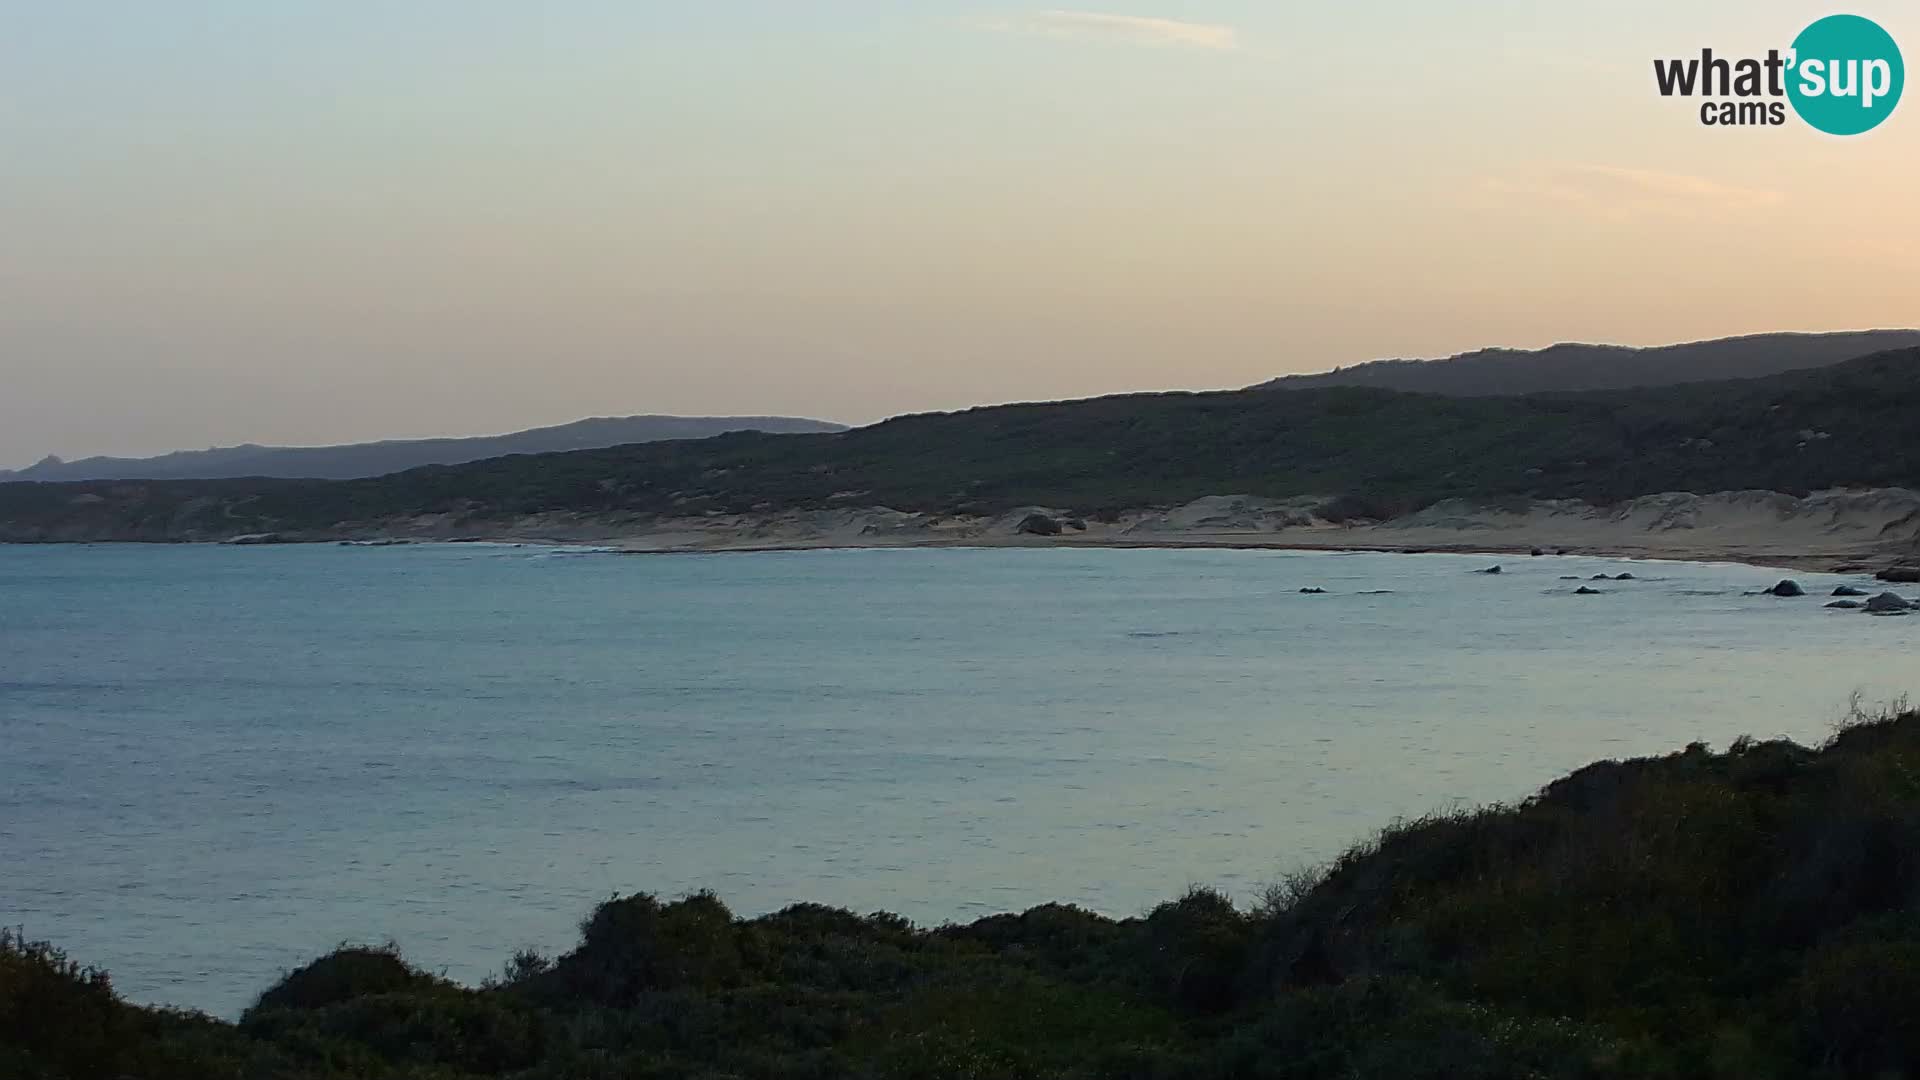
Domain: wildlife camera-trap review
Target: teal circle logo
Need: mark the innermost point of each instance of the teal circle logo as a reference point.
(1846, 75)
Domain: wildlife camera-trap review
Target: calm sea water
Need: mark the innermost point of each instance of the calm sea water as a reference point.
(216, 763)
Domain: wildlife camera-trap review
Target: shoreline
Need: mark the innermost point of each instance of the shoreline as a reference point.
(1842, 531)
(1839, 531)
(1845, 531)
(1810, 562)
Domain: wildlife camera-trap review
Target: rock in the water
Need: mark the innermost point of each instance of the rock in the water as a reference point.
(1584, 591)
(1488, 570)
(1038, 525)
(1623, 577)
(1848, 590)
(1847, 605)
(1537, 552)
(1315, 591)
(1787, 587)
(1601, 577)
(1905, 575)
(1887, 603)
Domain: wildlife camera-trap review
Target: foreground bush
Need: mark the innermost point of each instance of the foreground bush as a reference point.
(1754, 913)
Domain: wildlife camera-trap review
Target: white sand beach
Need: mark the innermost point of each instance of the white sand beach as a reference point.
(1857, 528)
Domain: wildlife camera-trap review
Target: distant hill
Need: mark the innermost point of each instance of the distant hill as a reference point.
(1847, 425)
(379, 458)
(1491, 372)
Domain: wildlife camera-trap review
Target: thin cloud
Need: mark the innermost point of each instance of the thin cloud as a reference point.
(1613, 192)
(1122, 29)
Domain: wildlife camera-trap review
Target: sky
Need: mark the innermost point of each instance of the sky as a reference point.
(321, 221)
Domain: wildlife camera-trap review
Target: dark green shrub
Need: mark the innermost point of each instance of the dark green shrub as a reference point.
(1858, 1002)
(445, 1025)
(342, 975)
(57, 1013)
(634, 945)
(1056, 935)
(1196, 949)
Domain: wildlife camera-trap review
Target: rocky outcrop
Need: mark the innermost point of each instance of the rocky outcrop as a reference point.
(1889, 604)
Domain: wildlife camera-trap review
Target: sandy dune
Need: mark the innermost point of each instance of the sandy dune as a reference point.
(1869, 528)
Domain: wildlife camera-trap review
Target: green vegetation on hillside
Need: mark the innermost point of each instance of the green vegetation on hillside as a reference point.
(1749, 914)
(1851, 424)
(1569, 366)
